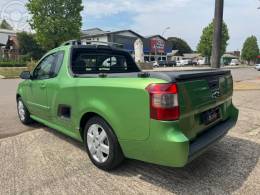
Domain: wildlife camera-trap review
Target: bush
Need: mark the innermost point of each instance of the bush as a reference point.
(12, 64)
(29, 46)
(31, 65)
(145, 66)
(25, 58)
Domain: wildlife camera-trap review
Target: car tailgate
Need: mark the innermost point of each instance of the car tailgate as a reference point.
(202, 94)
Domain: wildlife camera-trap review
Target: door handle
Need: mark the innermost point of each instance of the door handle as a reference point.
(42, 85)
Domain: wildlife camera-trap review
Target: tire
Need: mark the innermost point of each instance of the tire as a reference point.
(23, 112)
(102, 145)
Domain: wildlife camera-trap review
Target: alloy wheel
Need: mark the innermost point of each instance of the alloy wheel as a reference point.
(21, 110)
(98, 144)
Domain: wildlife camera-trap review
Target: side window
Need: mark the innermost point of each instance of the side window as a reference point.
(58, 63)
(49, 67)
(43, 70)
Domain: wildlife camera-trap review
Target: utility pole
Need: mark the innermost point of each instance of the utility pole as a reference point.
(217, 36)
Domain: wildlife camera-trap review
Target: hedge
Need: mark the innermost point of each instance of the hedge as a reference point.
(31, 65)
(12, 64)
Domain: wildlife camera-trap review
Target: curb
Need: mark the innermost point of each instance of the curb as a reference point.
(14, 77)
(246, 85)
(236, 67)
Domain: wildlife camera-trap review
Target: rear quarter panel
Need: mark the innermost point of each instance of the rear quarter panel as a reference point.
(122, 102)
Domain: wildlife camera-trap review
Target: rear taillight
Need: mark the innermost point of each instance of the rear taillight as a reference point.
(164, 102)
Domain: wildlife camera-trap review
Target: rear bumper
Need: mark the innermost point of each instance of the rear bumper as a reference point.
(168, 146)
(209, 137)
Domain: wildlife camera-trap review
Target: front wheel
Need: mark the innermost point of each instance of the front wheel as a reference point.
(23, 112)
(102, 145)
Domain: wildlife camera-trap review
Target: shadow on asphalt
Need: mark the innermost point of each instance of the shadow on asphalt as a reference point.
(27, 128)
(221, 170)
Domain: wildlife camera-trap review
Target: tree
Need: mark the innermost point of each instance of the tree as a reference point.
(205, 45)
(55, 21)
(29, 46)
(5, 25)
(250, 49)
(180, 45)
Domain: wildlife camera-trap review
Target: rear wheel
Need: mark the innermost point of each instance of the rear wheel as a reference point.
(102, 145)
(23, 112)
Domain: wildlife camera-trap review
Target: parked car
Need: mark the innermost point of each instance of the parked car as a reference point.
(162, 63)
(257, 67)
(183, 63)
(155, 64)
(202, 62)
(100, 97)
(178, 63)
(170, 63)
(234, 62)
(167, 63)
(194, 62)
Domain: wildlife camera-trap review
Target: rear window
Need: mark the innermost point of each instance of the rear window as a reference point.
(89, 62)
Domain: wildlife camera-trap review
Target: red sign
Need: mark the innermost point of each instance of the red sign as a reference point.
(157, 45)
(258, 57)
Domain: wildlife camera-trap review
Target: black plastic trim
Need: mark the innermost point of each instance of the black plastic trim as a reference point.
(209, 137)
(64, 111)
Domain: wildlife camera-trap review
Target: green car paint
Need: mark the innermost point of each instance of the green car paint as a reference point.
(124, 103)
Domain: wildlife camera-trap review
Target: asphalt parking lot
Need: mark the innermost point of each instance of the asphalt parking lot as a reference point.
(39, 160)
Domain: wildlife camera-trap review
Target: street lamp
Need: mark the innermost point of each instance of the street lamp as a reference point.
(167, 28)
(164, 31)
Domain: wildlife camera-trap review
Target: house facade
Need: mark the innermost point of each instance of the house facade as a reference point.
(9, 46)
(155, 48)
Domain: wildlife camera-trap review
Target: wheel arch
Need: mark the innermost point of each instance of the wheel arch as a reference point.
(86, 117)
(19, 92)
(18, 96)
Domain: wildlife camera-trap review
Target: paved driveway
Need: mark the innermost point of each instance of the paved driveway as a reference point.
(9, 122)
(46, 162)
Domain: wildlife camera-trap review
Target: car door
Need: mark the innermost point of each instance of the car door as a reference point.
(54, 86)
(37, 93)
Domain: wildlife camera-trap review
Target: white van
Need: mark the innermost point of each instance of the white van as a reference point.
(234, 62)
(183, 62)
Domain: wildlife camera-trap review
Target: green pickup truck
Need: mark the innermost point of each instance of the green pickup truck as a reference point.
(98, 95)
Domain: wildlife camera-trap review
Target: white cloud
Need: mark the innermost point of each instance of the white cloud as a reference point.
(185, 17)
(105, 8)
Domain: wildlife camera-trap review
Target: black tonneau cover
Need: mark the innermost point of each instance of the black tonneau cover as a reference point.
(172, 76)
(189, 74)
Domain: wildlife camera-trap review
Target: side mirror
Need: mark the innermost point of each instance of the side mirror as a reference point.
(26, 75)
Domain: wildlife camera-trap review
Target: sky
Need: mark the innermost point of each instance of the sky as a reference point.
(186, 18)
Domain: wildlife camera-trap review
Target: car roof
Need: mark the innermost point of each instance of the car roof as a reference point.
(101, 47)
(92, 47)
